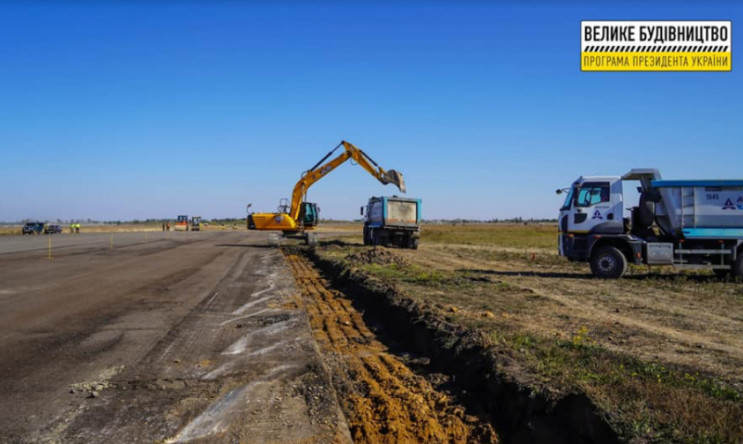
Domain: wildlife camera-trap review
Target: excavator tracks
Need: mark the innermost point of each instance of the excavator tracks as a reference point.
(383, 400)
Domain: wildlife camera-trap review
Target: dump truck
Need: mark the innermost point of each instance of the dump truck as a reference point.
(181, 223)
(392, 220)
(297, 217)
(683, 223)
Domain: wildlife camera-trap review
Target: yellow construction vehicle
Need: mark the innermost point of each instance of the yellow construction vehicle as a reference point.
(295, 218)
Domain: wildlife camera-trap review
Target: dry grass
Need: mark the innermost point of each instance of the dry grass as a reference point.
(660, 351)
(515, 236)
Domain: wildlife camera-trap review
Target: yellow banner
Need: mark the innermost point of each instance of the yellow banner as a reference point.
(656, 61)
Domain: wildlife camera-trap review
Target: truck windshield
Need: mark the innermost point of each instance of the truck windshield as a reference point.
(592, 193)
(568, 199)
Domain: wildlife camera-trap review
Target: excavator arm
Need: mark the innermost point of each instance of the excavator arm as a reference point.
(321, 169)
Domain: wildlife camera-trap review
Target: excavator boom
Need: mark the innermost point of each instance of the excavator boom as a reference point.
(320, 170)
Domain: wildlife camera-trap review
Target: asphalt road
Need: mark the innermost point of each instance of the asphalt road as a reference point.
(85, 241)
(167, 337)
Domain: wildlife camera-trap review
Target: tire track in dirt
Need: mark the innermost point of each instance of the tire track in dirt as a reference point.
(383, 400)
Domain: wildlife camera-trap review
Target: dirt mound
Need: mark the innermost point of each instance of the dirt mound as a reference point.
(333, 244)
(377, 256)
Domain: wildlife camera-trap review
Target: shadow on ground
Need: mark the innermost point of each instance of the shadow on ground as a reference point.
(584, 276)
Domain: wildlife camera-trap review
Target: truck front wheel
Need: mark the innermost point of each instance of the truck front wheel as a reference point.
(608, 263)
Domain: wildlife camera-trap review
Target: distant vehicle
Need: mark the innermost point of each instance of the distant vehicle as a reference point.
(196, 223)
(392, 221)
(33, 228)
(52, 229)
(181, 223)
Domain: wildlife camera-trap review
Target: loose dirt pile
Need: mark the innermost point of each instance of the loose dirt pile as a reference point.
(376, 256)
(383, 400)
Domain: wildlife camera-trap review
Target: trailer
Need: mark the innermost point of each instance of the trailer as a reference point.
(392, 221)
(683, 223)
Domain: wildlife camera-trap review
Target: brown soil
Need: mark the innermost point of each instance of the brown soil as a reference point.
(377, 256)
(383, 399)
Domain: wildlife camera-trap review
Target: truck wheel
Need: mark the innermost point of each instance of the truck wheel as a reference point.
(738, 267)
(414, 243)
(608, 263)
(381, 238)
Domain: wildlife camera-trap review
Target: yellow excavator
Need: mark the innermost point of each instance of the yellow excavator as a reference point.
(297, 217)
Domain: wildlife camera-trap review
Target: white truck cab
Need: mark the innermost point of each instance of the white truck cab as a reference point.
(594, 204)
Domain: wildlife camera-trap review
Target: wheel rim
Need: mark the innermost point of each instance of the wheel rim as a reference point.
(607, 264)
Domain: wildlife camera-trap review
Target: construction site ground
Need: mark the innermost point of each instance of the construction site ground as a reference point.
(483, 334)
(214, 336)
(158, 337)
(657, 353)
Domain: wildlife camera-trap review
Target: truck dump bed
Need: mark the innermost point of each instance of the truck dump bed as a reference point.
(394, 211)
(701, 208)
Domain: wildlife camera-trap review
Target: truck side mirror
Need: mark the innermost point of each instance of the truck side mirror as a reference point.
(362, 211)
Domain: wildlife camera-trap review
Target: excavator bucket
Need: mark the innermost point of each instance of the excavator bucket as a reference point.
(394, 177)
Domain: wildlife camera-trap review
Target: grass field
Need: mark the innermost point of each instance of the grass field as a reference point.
(659, 351)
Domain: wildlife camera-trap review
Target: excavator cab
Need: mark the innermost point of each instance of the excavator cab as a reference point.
(308, 214)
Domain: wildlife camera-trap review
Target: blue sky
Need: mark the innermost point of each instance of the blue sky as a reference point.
(131, 110)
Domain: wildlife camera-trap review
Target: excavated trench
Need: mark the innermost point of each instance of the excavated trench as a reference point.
(382, 398)
(386, 401)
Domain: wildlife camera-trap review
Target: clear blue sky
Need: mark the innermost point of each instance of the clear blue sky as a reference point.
(130, 110)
